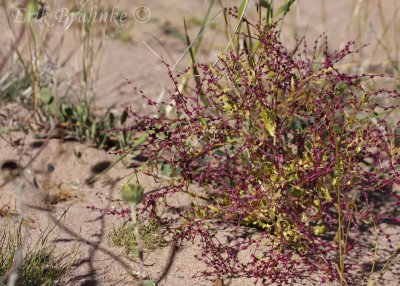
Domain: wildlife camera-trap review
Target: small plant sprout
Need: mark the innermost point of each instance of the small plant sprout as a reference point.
(132, 194)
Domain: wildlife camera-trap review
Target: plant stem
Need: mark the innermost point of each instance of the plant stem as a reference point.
(339, 209)
(136, 230)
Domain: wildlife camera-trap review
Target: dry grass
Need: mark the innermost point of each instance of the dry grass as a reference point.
(56, 193)
(6, 211)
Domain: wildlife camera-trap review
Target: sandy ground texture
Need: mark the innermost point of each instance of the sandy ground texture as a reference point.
(62, 168)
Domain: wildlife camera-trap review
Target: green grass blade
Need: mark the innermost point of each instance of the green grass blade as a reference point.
(242, 10)
(198, 39)
(195, 70)
(204, 24)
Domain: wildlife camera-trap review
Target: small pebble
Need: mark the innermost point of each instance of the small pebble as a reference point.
(50, 168)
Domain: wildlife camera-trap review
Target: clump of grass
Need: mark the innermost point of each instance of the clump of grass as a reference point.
(151, 235)
(39, 264)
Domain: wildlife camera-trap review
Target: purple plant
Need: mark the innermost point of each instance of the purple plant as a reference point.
(281, 142)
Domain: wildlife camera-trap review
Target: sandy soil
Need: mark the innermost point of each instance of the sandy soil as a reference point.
(97, 262)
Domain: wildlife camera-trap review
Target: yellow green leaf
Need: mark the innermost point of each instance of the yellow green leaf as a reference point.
(321, 229)
(213, 208)
(268, 118)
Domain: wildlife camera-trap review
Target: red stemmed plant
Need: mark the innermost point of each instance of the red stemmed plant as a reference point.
(285, 143)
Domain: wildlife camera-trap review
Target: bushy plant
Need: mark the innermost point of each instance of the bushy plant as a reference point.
(284, 142)
(37, 264)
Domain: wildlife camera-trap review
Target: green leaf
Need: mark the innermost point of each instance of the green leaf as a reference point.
(242, 8)
(296, 125)
(66, 110)
(94, 130)
(295, 192)
(265, 4)
(219, 153)
(284, 9)
(246, 157)
(163, 111)
(321, 229)
(166, 169)
(161, 135)
(32, 10)
(176, 172)
(148, 283)
(52, 107)
(83, 113)
(268, 119)
(45, 96)
(214, 208)
(203, 121)
(111, 120)
(124, 117)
